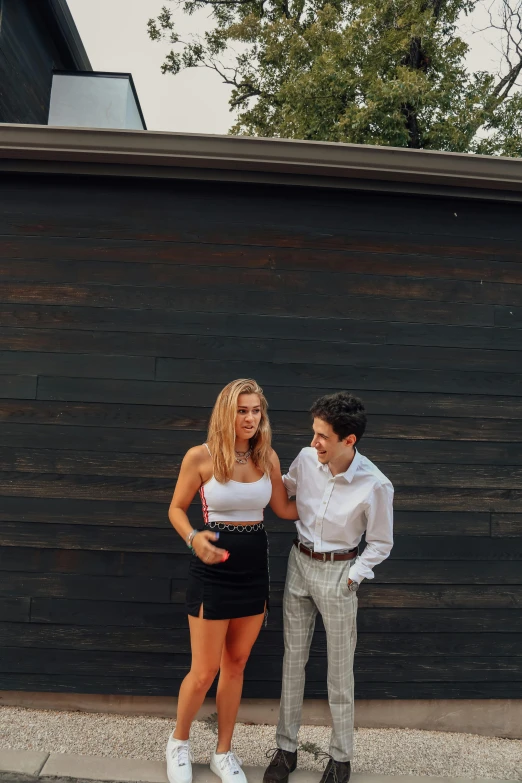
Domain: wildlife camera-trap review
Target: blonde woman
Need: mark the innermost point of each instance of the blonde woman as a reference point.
(237, 474)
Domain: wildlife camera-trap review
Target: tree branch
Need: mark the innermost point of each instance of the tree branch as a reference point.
(242, 98)
(507, 82)
(435, 5)
(412, 125)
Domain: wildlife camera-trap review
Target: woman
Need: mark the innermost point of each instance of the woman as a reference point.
(237, 474)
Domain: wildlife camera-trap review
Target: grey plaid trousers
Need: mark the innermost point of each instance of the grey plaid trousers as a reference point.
(311, 587)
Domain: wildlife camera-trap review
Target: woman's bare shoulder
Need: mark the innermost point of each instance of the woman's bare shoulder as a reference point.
(197, 455)
(274, 459)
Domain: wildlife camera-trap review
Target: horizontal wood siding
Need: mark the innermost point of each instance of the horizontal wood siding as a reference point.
(28, 55)
(124, 308)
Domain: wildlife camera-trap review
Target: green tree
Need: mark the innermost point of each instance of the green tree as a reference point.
(389, 72)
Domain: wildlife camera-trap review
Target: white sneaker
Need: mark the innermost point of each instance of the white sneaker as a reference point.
(179, 761)
(227, 766)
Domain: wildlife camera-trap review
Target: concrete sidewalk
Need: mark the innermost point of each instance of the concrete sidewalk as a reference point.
(30, 765)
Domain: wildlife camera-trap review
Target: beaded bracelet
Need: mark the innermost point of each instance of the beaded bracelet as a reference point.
(190, 538)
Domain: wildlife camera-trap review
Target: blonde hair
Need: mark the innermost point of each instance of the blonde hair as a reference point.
(222, 430)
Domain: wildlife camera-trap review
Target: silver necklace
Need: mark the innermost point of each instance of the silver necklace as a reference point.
(242, 456)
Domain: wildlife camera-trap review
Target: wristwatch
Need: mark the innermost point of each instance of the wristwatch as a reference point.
(353, 586)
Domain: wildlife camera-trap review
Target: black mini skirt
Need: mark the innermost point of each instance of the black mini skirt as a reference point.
(239, 587)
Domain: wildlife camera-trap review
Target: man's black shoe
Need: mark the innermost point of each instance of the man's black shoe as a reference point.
(336, 772)
(282, 763)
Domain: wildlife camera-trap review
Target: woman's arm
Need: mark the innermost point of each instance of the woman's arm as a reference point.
(280, 502)
(188, 483)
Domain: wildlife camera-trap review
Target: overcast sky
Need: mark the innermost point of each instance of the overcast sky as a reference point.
(114, 33)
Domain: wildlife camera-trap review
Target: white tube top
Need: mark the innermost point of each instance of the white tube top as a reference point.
(235, 501)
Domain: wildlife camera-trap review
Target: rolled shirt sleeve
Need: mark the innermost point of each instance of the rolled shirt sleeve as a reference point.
(290, 478)
(379, 533)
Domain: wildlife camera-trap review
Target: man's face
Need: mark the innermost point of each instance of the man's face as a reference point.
(327, 444)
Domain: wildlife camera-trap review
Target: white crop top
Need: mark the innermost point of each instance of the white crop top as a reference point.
(235, 501)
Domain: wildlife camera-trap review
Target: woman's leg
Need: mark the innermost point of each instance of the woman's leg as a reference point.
(240, 637)
(207, 638)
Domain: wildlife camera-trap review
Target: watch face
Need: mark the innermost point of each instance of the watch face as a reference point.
(353, 586)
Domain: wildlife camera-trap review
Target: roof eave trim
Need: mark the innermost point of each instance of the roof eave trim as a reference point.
(141, 149)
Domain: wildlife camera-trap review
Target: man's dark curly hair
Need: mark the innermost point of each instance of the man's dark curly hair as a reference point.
(343, 411)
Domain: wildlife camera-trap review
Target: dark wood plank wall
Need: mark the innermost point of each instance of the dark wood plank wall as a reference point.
(28, 55)
(125, 306)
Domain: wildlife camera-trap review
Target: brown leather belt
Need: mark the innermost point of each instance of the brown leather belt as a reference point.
(326, 557)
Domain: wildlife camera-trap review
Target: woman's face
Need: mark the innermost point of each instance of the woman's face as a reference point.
(248, 416)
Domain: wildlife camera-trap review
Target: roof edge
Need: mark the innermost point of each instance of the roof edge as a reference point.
(67, 26)
(157, 151)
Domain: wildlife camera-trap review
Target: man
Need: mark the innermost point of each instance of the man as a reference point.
(340, 495)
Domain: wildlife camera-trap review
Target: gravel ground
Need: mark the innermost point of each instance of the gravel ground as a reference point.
(387, 751)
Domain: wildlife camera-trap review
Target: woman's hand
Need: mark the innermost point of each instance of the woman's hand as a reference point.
(206, 551)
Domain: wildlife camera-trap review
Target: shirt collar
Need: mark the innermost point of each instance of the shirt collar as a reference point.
(348, 474)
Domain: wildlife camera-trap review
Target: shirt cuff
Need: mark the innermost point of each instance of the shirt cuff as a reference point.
(355, 575)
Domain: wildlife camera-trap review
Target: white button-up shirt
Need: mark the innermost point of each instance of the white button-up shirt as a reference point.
(335, 511)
